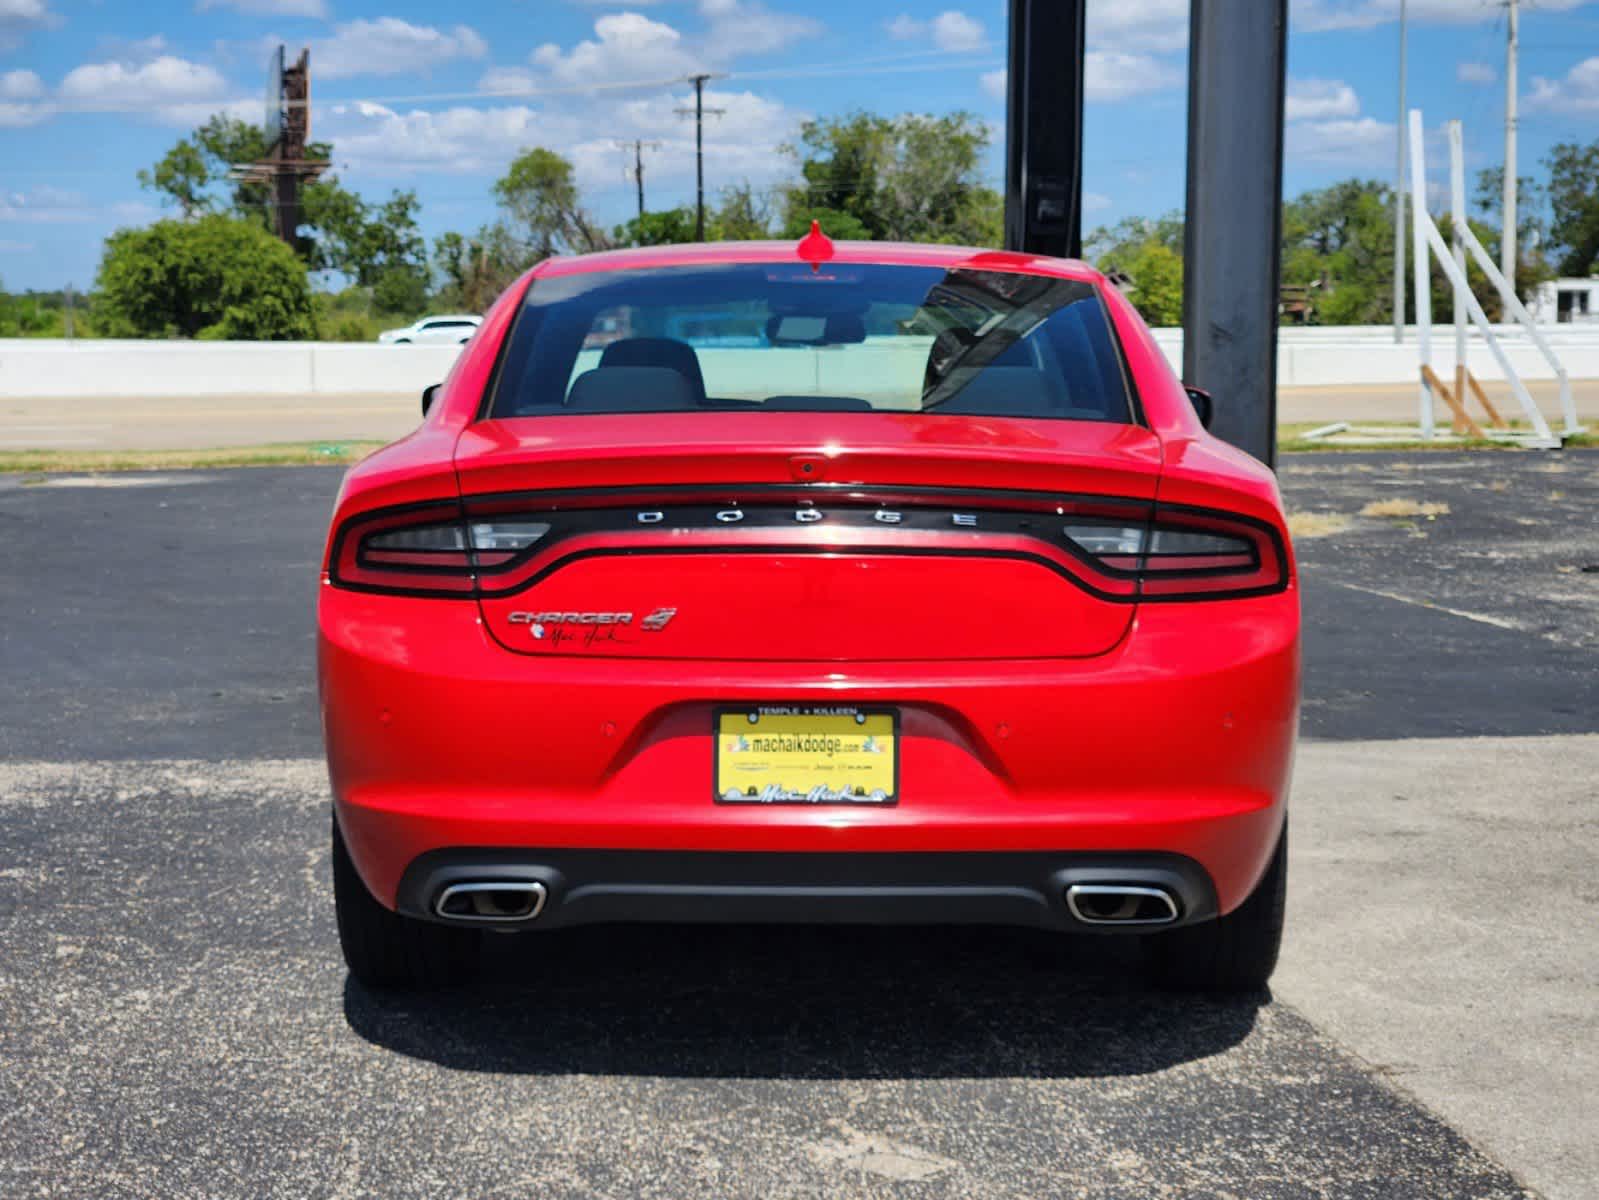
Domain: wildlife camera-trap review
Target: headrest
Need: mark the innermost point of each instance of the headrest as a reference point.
(658, 352)
(629, 389)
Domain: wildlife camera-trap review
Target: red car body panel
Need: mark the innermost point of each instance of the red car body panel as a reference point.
(1035, 715)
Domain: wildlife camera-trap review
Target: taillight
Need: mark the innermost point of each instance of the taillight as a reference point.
(1121, 550)
(430, 551)
(1186, 554)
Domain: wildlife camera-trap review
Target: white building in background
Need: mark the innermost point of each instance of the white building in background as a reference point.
(1566, 301)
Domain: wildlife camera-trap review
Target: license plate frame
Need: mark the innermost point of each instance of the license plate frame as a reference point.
(852, 721)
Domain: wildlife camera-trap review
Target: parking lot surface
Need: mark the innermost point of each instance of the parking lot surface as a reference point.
(175, 1021)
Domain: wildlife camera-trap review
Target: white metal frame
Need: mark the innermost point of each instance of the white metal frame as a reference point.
(1453, 261)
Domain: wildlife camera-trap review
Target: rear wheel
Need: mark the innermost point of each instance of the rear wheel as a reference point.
(384, 949)
(1235, 953)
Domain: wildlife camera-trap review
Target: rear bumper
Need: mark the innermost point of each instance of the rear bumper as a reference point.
(1177, 742)
(583, 887)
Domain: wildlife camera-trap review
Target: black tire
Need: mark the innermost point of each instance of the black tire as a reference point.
(1235, 953)
(385, 950)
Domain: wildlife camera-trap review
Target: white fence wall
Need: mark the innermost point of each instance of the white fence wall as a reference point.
(52, 367)
(46, 367)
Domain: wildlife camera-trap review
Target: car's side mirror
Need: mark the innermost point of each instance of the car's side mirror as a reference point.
(429, 395)
(1204, 406)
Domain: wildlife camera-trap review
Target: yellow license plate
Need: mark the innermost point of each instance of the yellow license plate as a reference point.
(799, 754)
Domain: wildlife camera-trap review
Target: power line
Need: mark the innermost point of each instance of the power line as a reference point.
(946, 60)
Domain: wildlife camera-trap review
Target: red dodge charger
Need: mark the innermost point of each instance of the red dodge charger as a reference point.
(811, 583)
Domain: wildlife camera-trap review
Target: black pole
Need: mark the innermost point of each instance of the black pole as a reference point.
(699, 157)
(1044, 128)
(638, 173)
(1233, 227)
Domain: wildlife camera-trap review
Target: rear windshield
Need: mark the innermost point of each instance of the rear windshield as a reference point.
(770, 337)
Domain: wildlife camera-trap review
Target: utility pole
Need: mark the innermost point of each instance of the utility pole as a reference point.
(1399, 195)
(639, 145)
(285, 169)
(1044, 128)
(1237, 54)
(1507, 239)
(699, 112)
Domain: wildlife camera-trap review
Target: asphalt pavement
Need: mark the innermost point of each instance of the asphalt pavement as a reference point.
(175, 1021)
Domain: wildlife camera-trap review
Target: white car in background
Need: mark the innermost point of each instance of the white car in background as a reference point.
(433, 331)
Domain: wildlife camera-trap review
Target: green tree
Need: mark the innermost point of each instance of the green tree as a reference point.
(374, 246)
(194, 173)
(213, 277)
(670, 227)
(1341, 240)
(1573, 193)
(840, 226)
(475, 270)
(907, 178)
(1148, 254)
(1156, 274)
(541, 201)
(745, 215)
(344, 233)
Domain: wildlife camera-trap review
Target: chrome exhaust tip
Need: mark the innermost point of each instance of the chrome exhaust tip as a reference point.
(1121, 904)
(491, 902)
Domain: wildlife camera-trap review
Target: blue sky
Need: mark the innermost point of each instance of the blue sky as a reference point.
(438, 97)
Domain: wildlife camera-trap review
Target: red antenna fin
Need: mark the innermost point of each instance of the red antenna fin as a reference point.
(815, 247)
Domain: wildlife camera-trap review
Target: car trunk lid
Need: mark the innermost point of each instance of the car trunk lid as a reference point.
(802, 536)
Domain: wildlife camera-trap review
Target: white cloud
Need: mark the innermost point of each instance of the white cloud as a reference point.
(905, 27)
(272, 8)
(1095, 202)
(1129, 26)
(738, 144)
(131, 50)
(1476, 73)
(1320, 100)
(955, 31)
(19, 116)
(1310, 16)
(45, 205)
(951, 30)
(155, 85)
(1578, 92)
(630, 47)
(508, 80)
(18, 18)
(746, 27)
(1358, 142)
(390, 46)
(454, 140)
(626, 46)
(1110, 76)
(20, 85)
(19, 92)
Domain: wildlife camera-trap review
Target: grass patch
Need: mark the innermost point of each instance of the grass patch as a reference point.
(284, 454)
(1405, 508)
(1315, 525)
(1291, 440)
